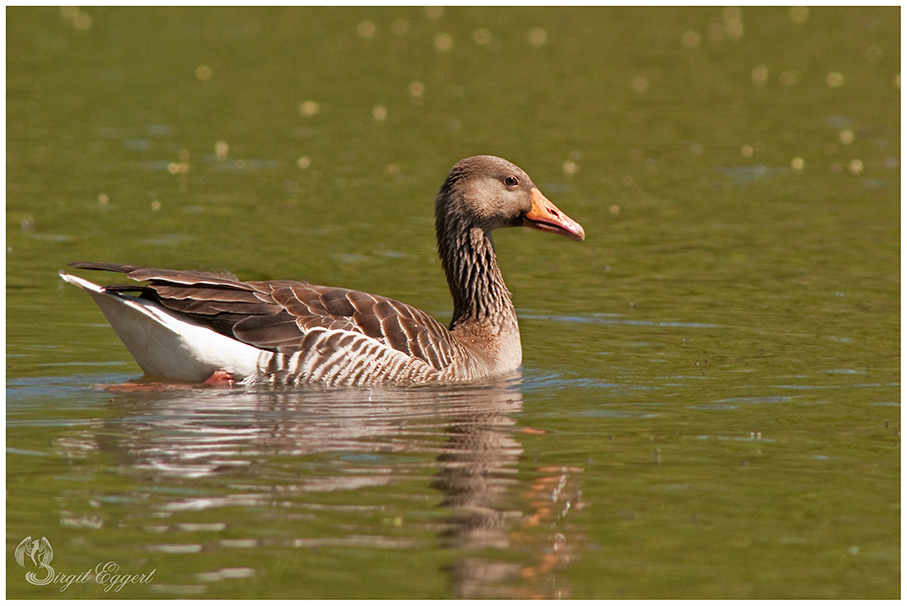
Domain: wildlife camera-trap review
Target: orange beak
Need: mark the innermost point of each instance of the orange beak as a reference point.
(545, 216)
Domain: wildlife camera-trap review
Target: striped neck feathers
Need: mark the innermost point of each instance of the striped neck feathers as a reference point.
(467, 255)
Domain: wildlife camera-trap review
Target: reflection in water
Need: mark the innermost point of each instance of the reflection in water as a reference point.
(477, 477)
(272, 448)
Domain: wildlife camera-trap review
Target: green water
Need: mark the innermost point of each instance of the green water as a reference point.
(710, 399)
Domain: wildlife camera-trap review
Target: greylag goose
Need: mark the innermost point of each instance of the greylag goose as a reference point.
(202, 326)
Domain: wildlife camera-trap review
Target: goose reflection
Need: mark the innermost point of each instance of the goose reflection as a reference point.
(496, 506)
(278, 448)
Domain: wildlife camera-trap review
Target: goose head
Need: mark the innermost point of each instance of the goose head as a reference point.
(487, 192)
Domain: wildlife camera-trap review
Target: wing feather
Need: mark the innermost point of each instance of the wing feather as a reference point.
(281, 315)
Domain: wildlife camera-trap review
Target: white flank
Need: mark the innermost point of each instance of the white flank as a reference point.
(166, 345)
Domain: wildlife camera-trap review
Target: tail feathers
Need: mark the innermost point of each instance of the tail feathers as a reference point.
(168, 345)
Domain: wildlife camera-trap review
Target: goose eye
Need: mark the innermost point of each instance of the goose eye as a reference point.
(511, 181)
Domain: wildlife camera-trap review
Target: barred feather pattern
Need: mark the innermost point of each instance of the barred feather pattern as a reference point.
(343, 358)
(311, 334)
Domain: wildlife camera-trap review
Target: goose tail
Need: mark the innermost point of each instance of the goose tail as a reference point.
(168, 345)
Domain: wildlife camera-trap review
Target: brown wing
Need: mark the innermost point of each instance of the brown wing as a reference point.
(276, 315)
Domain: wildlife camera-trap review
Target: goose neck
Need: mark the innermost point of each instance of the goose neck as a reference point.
(476, 284)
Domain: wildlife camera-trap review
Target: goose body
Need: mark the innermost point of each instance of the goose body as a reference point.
(192, 326)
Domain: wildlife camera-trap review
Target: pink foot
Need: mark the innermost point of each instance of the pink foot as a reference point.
(220, 378)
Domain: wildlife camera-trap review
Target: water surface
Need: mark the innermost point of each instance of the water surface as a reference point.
(710, 400)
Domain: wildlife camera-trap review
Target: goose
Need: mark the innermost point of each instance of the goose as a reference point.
(194, 326)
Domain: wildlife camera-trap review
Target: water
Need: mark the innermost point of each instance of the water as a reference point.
(710, 400)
